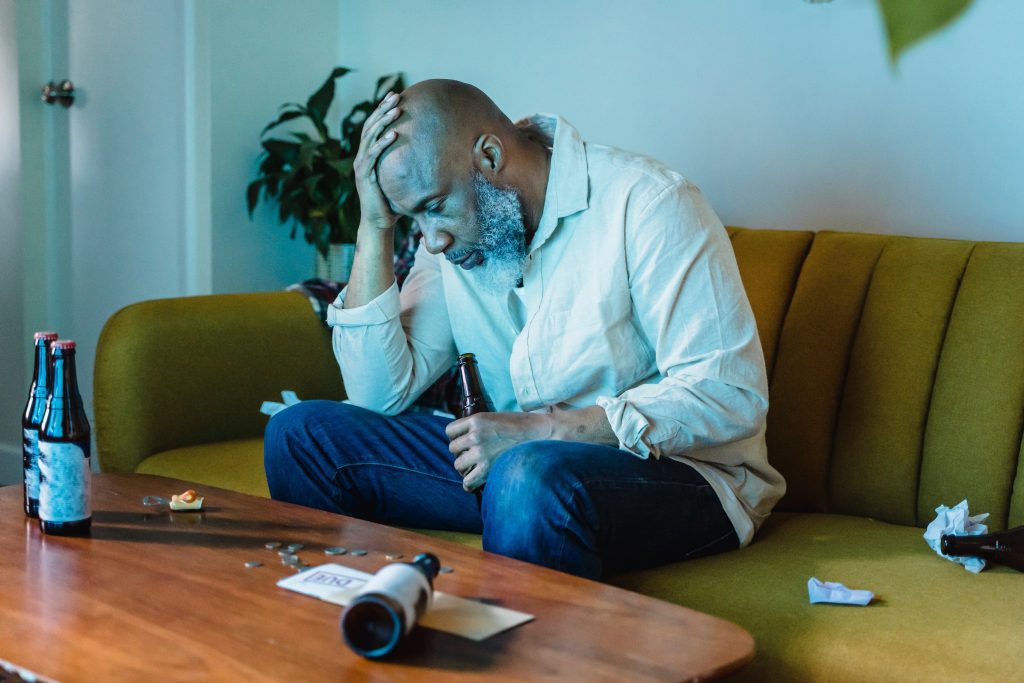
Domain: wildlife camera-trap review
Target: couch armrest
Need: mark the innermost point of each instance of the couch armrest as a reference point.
(172, 373)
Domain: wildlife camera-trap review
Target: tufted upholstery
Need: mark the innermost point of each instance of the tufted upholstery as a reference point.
(896, 371)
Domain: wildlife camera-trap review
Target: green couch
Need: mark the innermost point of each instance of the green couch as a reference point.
(896, 367)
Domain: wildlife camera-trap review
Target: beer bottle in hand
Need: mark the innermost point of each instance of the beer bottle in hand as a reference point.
(1002, 547)
(32, 419)
(473, 399)
(65, 486)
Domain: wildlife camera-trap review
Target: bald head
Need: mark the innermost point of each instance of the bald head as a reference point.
(438, 131)
(439, 114)
(452, 140)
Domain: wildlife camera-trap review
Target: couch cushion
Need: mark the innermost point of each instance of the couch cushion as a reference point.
(911, 632)
(235, 465)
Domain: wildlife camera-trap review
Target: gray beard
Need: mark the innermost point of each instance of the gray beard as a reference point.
(502, 237)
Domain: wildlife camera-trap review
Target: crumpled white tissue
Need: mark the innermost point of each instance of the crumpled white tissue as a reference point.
(272, 408)
(956, 521)
(829, 591)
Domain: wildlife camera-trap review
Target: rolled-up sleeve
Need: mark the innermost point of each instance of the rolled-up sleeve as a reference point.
(691, 305)
(395, 346)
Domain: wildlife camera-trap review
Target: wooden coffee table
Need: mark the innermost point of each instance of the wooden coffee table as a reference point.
(154, 595)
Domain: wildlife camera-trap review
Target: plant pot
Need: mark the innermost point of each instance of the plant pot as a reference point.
(338, 264)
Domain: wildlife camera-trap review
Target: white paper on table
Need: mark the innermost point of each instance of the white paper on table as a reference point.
(837, 593)
(477, 621)
(957, 522)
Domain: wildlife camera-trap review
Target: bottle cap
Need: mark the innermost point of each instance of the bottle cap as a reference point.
(64, 344)
(467, 357)
(48, 336)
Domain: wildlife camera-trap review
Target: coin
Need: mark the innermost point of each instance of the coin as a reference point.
(446, 570)
(150, 501)
(285, 553)
(272, 545)
(335, 550)
(394, 556)
(290, 559)
(254, 563)
(358, 553)
(294, 546)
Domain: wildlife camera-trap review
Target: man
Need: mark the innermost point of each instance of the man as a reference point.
(602, 299)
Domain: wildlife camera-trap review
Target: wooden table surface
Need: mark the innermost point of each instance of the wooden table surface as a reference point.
(155, 595)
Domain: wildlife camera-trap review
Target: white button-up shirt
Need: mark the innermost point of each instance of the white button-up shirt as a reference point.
(631, 300)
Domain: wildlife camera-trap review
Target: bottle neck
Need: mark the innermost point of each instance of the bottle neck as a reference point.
(42, 374)
(65, 379)
(471, 386)
(967, 545)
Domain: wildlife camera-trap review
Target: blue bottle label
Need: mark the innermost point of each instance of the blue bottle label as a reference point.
(65, 483)
(30, 444)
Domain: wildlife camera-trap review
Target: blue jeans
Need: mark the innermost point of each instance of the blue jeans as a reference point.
(580, 508)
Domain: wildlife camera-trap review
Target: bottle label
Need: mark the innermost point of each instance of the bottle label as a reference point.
(30, 446)
(404, 584)
(65, 486)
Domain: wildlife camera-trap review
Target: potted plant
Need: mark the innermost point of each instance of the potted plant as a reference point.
(309, 173)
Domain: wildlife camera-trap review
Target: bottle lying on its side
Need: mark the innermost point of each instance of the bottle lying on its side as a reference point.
(1002, 547)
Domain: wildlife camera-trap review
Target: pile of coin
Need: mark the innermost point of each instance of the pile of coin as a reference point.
(288, 555)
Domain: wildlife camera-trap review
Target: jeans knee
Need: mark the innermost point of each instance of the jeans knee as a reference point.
(526, 496)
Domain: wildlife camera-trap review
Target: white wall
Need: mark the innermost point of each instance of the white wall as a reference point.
(787, 114)
(13, 389)
(261, 54)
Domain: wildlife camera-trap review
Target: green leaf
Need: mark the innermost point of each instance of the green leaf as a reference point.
(352, 125)
(286, 116)
(286, 151)
(320, 101)
(252, 196)
(343, 166)
(386, 83)
(910, 21)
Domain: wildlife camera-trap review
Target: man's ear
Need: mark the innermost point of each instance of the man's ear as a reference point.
(489, 155)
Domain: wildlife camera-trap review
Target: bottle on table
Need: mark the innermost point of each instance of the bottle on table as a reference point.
(65, 486)
(389, 605)
(32, 419)
(1001, 547)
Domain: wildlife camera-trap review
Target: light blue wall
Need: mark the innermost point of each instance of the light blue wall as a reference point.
(262, 53)
(13, 389)
(785, 112)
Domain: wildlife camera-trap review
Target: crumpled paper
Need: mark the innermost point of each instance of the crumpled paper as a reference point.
(272, 408)
(837, 593)
(956, 521)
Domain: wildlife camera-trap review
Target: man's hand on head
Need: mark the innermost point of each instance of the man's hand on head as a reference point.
(479, 440)
(374, 206)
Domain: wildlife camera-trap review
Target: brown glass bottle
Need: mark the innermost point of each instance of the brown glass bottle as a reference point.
(65, 475)
(473, 399)
(1002, 547)
(32, 419)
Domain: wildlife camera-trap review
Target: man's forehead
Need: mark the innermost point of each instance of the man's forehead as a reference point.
(408, 175)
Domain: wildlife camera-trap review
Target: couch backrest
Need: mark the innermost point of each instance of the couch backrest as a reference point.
(896, 367)
(172, 373)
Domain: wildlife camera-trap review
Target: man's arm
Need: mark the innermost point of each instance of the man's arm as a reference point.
(389, 347)
(373, 264)
(690, 302)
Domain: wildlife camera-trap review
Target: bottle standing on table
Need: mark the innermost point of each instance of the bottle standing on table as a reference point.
(1002, 547)
(65, 487)
(389, 605)
(473, 398)
(32, 419)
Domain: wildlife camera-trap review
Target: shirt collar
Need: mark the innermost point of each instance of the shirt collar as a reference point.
(568, 180)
